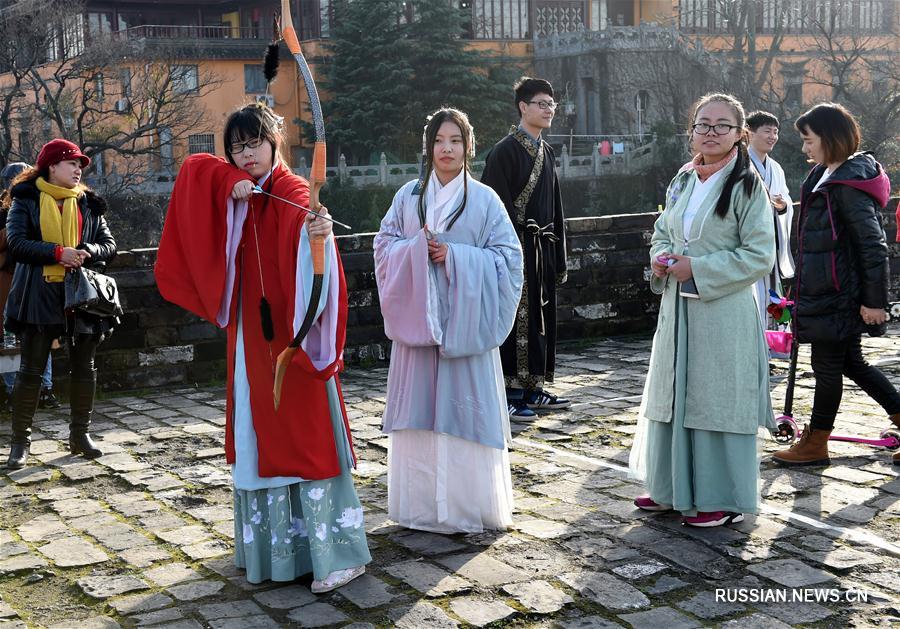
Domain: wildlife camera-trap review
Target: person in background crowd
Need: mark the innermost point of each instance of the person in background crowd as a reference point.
(764, 128)
(55, 224)
(521, 168)
(843, 273)
(707, 388)
(7, 266)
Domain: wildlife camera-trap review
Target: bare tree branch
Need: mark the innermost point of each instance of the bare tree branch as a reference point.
(125, 102)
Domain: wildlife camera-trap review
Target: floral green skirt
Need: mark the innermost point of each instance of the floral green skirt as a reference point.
(310, 526)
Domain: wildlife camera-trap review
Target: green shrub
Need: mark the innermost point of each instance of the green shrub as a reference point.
(360, 207)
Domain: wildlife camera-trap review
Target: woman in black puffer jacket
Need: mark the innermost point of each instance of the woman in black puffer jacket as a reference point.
(843, 273)
(55, 224)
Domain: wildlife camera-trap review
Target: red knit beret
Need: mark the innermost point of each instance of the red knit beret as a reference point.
(59, 150)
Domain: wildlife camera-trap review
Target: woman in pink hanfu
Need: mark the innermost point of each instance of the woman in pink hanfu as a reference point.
(449, 269)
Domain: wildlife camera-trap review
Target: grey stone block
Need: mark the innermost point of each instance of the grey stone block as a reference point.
(479, 612)
(317, 615)
(606, 590)
(538, 596)
(428, 579)
(286, 597)
(106, 586)
(421, 614)
(136, 603)
(231, 609)
(367, 592)
(659, 617)
(705, 605)
(170, 574)
(195, 589)
(483, 569)
(791, 573)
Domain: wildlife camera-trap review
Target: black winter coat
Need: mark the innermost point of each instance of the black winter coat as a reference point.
(31, 299)
(843, 256)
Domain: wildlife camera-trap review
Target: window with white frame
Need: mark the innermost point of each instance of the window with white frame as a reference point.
(99, 87)
(694, 14)
(185, 78)
(500, 19)
(254, 79)
(73, 36)
(599, 17)
(793, 76)
(202, 143)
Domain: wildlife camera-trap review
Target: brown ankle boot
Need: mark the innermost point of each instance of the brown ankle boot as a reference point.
(895, 419)
(812, 449)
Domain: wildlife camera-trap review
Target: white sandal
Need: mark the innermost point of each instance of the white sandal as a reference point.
(336, 579)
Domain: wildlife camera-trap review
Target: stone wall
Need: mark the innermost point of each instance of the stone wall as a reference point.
(607, 293)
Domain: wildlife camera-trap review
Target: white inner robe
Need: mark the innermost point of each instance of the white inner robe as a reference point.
(773, 177)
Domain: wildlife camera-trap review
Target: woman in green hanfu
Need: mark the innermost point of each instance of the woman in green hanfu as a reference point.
(706, 392)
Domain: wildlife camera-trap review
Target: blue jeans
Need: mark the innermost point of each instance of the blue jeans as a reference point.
(9, 378)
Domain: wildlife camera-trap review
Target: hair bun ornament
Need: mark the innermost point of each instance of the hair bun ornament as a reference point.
(425, 134)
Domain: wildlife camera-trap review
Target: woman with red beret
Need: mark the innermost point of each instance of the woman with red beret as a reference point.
(55, 224)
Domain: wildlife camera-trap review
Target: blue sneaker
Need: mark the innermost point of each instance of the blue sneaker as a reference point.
(543, 401)
(519, 409)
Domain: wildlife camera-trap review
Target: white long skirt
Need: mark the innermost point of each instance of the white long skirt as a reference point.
(445, 484)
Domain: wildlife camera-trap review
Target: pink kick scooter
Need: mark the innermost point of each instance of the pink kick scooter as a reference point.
(786, 428)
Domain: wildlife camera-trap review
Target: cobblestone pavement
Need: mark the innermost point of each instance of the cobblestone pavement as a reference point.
(142, 536)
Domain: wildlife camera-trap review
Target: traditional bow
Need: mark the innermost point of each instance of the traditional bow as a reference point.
(316, 181)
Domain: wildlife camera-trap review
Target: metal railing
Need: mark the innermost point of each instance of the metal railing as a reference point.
(152, 31)
(588, 163)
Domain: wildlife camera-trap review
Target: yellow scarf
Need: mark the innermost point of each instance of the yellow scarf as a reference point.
(60, 228)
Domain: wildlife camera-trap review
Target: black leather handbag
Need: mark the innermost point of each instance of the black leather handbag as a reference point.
(92, 293)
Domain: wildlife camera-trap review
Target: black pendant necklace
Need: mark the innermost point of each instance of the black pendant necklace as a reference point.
(265, 310)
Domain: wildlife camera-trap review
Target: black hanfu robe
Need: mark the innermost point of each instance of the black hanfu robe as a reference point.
(528, 355)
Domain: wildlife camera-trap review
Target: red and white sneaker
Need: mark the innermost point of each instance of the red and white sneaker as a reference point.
(708, 519)
(646, 504)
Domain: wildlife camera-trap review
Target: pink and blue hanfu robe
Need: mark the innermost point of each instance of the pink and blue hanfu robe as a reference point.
(446, 414)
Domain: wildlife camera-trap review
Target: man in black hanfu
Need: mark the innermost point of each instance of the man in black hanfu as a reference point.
(521, 168)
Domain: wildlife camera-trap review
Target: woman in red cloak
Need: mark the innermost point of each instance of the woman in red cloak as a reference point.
(241, 259)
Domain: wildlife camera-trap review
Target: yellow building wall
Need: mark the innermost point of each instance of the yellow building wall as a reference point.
(659, 11)
(792, 48)
(230, 95)
(290, 97)
(291, 100)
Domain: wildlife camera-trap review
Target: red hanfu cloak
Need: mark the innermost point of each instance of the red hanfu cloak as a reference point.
(298, 438)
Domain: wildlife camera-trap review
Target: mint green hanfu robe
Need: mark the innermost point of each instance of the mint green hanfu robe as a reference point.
(707, 393)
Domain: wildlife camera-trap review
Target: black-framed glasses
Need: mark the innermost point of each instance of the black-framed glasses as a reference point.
(238, 147)
(545, 104)
(721, 129)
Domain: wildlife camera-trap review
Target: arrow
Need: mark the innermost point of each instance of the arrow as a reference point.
(258, 190)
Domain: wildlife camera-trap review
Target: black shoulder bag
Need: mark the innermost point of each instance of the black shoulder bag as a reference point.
(92, 293)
